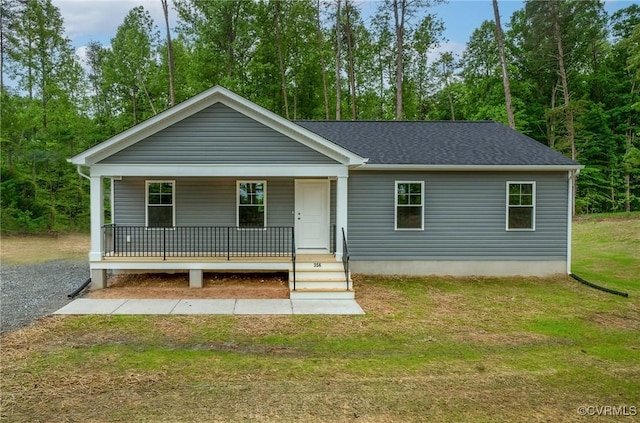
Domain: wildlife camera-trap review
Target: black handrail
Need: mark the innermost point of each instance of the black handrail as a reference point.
(198, 241)
(293, 257)
(345, 257)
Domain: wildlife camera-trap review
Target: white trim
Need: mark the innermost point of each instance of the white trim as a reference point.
(533, 205)
(342, 213)
(112, 199)
(200, 102)
(146, 199)
(97, 216)
(237, 171)
(569, 219)
(479, 168)
(264, 203)
(395, 204)
(327, 212)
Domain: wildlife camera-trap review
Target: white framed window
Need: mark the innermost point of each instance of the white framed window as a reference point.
(160, 204)
(521, 206)
(409, 209)
(252, 204)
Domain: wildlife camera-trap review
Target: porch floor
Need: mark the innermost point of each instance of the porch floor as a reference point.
(210, 307)
(300, 257)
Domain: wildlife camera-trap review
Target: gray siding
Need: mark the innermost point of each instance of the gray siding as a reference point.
(464, 217)
(218, 135)
(203, 201)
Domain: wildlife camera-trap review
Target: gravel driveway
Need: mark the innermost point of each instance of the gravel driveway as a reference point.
(31, 291)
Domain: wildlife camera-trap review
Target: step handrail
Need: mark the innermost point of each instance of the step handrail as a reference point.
(345, 257)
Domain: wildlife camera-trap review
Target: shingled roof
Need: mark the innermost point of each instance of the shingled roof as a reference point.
(445, 143)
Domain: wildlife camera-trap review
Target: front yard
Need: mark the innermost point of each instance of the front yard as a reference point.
(428, 349)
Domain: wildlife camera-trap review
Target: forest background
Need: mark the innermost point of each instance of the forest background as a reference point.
(571, 77)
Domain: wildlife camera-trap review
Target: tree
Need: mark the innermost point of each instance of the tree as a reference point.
(403, 12)
(130, 64)
(170, 58)
(503, 65)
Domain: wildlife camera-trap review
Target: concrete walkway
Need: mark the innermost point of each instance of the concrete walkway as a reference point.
(206, 306)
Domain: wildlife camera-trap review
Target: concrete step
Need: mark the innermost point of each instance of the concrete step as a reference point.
(320, 276)
(320, 266)
(320, 285)
(326, 294)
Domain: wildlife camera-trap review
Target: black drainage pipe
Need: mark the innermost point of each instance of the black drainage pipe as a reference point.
(601, 288)
(79, 289)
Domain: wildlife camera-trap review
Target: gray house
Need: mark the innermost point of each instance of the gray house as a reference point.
(219, 183)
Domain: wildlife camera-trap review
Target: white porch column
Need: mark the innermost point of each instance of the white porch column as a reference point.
(97, 217)
(342, 212)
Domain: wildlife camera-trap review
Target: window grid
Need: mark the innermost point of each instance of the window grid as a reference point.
(160, 204)
(409, 205)
(252, 202)
(521, 206)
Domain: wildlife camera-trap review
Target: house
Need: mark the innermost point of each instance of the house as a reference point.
(220, 183)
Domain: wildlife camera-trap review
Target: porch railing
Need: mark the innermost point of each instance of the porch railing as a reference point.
(198, 241)
(345, 256)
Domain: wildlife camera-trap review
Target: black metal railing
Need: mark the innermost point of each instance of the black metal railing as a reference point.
(345, 257)
(198, 241)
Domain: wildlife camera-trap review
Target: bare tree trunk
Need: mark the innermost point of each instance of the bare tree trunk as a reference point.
(283, 77)
(627, 174)
(399, 15)
(448, 88)
(352, 74)
(323, 64)
(567, 100)
(170, 60)
(503, 64)
(338, 57)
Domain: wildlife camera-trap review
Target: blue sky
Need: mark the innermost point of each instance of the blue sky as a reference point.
(87, 20)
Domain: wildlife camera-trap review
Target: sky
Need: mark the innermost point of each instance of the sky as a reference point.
(98, 20)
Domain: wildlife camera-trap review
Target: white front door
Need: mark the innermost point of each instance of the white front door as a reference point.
(312, 214)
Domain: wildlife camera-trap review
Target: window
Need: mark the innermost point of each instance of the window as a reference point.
(409, 206)
(160, 204)
(252, 203)
(521, 206)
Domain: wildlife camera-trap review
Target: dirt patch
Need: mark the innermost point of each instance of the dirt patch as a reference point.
(615, 321)
(15, 249)
(176, 286)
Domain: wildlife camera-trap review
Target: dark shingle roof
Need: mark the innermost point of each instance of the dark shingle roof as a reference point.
(437, 143)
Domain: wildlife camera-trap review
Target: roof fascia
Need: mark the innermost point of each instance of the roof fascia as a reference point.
(475, 168)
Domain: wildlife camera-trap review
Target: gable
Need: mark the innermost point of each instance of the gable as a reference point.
(218, 134)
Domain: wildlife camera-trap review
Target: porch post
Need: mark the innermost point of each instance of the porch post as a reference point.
(342, 212)
(97, 218)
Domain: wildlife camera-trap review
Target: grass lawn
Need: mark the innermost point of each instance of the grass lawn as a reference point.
(428, 349)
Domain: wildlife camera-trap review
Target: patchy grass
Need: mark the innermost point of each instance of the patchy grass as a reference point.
(428, 349)
(605, 250)
(40, 248)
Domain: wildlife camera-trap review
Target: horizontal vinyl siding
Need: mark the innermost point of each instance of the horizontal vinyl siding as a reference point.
(218, 135)
(464, 218)
(203, 201)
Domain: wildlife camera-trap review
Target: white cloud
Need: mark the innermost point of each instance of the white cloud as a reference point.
(455, 47)
(98, 20)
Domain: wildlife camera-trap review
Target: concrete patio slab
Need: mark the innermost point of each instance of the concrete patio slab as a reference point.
(90, 306)
(326, 307)
(210, 306)
(263, 307)
(198, 306)
(147, 307)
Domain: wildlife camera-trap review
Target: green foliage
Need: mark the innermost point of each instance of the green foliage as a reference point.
(56, 109)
